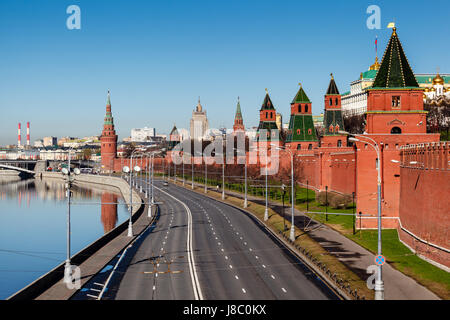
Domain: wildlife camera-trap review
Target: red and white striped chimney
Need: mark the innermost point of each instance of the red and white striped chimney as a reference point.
(18, 136)
(28, 134)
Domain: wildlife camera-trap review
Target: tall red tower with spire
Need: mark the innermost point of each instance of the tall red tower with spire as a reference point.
(108, 139)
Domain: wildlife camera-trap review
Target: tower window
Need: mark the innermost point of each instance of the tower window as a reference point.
(339, 143)
(331, 128)
(310, 146)
(267, 115)
(309, 131)
(331, 102)
(298, 131)
(306, 108)
(395, 101)
(299, 108)
(396, 130)
(337, 101)
(299, 146)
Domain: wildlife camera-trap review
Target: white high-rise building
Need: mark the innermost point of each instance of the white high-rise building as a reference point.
(199, 123)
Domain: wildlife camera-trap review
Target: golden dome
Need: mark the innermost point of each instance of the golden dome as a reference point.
(427, 89)
(376, 65)
(438, 80)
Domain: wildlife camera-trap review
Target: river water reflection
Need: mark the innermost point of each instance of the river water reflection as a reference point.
(33, 226)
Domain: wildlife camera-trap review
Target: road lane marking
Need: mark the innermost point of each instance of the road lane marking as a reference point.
(243, 290)
(263, 266)
(236, 277)
(192, 268)
(272, 276)
(284, 290)
(231, 267)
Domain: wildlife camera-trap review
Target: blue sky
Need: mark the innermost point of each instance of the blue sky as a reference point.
(157, 57)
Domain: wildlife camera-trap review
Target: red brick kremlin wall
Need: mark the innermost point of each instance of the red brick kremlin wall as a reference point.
(424, 198)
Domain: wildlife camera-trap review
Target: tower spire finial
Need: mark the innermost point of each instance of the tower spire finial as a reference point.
(267, 91)
(331, 75)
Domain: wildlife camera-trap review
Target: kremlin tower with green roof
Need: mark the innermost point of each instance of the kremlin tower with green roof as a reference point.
(267, 121)
(395, 100)
(332, 119)
(108, 139)
(301, 134)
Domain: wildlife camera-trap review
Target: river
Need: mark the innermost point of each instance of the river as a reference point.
(33, 215)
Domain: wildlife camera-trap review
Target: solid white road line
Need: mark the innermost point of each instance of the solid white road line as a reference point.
(192, 269)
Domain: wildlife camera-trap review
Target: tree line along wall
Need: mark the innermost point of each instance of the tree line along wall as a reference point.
(424, 201)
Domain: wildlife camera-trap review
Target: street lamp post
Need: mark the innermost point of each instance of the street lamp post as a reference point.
(245, 173)
(140, 175)
(153, 179)
(147, 178)
(223, 179)
(283, 188)
(245, 180)
(206, 176)
(292, 233)
(68, 267)
(266, 211)
(192, 165)
(379, 284)
(131, 170)
(183, 170)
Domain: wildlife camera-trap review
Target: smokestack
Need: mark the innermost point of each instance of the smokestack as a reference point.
(28, 134)
(18, 136)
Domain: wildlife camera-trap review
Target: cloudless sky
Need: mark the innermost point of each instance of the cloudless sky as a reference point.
(157, 57)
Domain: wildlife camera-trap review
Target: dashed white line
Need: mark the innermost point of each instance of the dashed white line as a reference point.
(243, 290)
(284, 290)
(263, 266)
(273, 277)
(231, 267)
(236, 277)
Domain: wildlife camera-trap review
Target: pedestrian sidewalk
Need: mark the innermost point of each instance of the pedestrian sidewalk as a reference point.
(397, 286)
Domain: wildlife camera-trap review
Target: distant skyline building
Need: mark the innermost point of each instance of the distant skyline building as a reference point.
(49, 141)
(143, 134)
(199, 123)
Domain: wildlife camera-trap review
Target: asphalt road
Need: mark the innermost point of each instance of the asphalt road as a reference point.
(232, 257)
